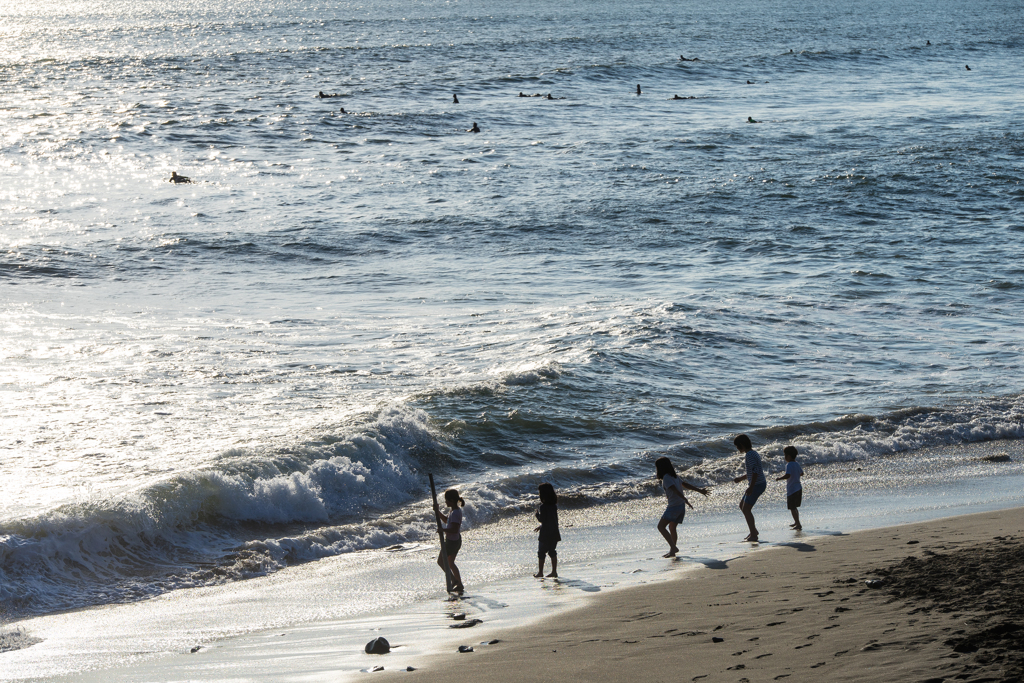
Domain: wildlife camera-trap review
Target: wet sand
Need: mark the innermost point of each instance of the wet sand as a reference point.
(947, 609)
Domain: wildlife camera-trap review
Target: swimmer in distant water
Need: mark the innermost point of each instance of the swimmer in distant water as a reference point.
(677, 97)
(175, 178)
(343, 111)
(455, 99)
(522, 95)
(750, 119)
(927, 42)
(549, 97)
(474, 129)
(750, 83)
(967, 67)
(322, 96)
(638, 91)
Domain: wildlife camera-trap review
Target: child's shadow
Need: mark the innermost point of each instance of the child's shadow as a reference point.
(578, 584)
(709, 562)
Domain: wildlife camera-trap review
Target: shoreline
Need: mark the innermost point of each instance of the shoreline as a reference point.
(310, 622)
(796, 610)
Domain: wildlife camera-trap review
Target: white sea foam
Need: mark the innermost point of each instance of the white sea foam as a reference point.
(100, 551)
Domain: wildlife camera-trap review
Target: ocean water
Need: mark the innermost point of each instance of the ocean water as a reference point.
(205, 383)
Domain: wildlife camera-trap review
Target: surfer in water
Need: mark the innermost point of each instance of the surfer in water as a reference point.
(474, 129)
(638, 91)
(455, 99)
(750, 119)
(176, 179)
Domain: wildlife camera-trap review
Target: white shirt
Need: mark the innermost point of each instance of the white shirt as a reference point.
(794, 471)
(670, 484)
(454, 522)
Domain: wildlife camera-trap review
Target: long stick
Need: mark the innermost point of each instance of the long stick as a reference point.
(440, 534)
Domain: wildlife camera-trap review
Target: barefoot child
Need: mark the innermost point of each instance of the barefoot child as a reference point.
(547, 515)
(794, 490)
(452, 535)
(677, 502)
(756, 482)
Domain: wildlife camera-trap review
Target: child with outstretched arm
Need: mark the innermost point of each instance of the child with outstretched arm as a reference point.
(676, 510)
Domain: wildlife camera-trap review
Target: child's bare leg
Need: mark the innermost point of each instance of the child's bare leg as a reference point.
(456, 576)
(668, 531)
(554, 565)
(440, 563)
(749, 516)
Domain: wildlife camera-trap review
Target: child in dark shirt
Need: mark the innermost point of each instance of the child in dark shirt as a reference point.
(547, 515)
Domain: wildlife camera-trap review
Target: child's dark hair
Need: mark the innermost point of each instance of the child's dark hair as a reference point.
(451, 496)
(790, 451)
(663, 466)
(742, 442)
(547, 494)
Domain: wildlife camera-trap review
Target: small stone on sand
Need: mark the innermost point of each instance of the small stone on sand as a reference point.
(378, 646)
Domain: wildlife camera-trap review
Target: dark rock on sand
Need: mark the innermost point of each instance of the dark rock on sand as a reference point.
(466, 648)
(996, 458)
(466, 624)
(378, 646)
(716, 639)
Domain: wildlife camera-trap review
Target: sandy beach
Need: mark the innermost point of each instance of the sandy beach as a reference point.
(947, 608)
